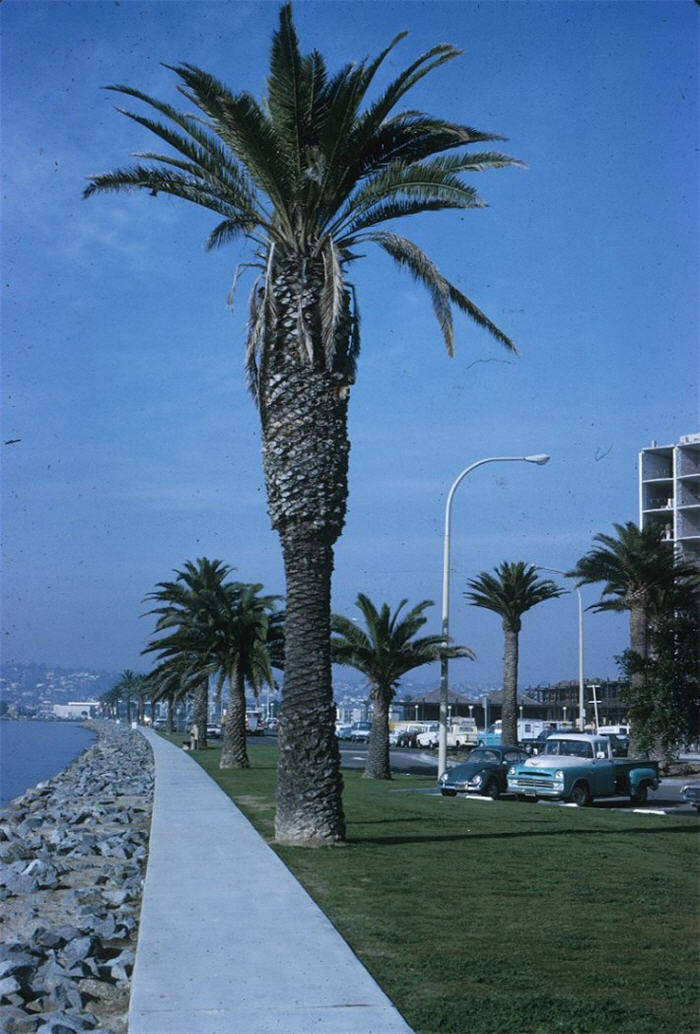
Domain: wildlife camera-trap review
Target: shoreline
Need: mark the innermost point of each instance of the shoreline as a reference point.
(48, 757)
(73, 853)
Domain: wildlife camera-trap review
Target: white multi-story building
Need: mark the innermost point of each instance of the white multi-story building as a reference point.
(669, 492)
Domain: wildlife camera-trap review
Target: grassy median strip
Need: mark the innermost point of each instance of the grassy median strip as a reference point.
(503, 917)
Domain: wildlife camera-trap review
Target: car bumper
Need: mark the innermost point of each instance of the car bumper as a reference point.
(530, 789)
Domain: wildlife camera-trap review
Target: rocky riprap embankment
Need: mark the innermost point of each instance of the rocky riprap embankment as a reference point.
(72, 862)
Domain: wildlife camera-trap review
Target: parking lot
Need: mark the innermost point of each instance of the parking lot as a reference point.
(424, 762)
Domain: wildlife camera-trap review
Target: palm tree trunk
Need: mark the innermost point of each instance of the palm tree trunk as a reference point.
(200, 711)
(509, 710)
(309, 783)
(170, 703)
(234, 750)
(303, 415)
(377, 765)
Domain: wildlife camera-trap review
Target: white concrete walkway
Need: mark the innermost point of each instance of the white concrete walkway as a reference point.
(229, 942)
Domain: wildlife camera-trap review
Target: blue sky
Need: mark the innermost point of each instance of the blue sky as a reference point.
(122, 370)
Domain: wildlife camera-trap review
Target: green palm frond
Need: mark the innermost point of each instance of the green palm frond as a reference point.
(413, 136)
(635, 563)
(388, 646)
(513, 589)
(244, 127)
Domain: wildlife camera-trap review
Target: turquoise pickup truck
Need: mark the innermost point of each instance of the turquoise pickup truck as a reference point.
(579, 767)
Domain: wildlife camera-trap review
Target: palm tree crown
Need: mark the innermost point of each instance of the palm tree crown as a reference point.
(636, 567)
(387, 648)
(309, 174)
(514, 589)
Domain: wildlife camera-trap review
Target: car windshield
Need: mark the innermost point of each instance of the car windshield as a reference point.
(485, 757)
(569, 748)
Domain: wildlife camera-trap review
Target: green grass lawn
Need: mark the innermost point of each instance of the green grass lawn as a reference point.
(478, 916)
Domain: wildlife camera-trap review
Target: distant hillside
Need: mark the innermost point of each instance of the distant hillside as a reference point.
(25, 687)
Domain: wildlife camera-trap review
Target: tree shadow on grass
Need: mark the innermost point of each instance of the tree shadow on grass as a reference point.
(522, 834)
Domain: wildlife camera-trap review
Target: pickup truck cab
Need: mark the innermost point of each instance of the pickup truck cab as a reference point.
(579, 767)
(462, 733)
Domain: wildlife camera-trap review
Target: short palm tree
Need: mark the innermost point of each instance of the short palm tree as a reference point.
(384, 651)
(513, 589)
(168, 682)
(308, 177)
(185, 613)
(242, 652)
(109, 701)
(126, 688)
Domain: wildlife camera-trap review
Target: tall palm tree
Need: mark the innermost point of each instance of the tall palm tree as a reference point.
(513, 589)
(307, 178)
(384, 651)
(641, 574)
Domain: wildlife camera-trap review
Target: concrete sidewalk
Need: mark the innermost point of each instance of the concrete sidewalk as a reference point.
(229, 942)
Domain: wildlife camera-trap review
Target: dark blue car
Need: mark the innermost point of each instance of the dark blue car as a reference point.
(484, 772)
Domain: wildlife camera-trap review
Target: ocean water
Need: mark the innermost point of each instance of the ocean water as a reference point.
(33, 751)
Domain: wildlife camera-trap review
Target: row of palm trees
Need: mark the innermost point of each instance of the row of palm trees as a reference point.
(210, 628)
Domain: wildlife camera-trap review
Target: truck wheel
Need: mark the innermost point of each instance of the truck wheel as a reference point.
(581, 795)
(491, 790)
(640, 794)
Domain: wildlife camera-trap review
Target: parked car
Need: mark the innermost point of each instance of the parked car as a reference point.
(430, 735)
(359, 732)
(407, 736)
(213, 732)
(343, 730)
(484, 772)
(691, 793)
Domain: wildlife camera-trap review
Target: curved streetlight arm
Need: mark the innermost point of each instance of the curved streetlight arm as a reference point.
(540, 459)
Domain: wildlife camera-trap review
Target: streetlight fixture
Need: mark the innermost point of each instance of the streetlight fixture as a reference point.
(540, 459)
(581, 702)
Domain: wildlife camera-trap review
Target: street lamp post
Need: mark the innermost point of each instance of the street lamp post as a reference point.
(581, 702)
(539, 459)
